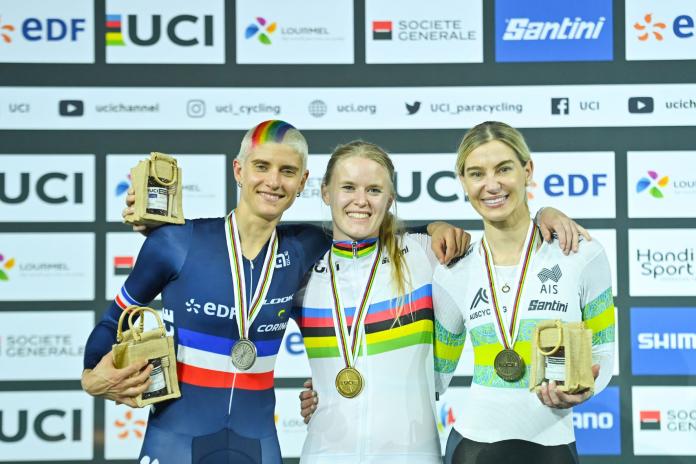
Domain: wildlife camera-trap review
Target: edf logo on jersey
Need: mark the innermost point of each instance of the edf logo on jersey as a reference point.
(549, 30)
(36, 31)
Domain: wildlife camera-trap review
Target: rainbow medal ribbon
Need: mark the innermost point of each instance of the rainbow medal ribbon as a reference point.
(508, 364)
(349, 381)
(244, 351)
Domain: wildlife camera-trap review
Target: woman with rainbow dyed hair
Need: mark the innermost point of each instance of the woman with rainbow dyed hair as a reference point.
(209, 271)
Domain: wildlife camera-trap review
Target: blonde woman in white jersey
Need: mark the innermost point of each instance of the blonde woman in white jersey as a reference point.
(502, 421)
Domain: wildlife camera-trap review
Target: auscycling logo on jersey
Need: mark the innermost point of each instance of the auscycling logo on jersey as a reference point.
(663, 341)
(549, 30)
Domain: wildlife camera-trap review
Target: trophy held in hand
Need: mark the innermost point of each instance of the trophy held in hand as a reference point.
(158, 196)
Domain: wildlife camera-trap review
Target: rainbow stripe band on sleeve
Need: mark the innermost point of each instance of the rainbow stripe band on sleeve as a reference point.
(270, 131)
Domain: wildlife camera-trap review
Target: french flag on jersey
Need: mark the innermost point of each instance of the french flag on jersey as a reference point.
(124, 300)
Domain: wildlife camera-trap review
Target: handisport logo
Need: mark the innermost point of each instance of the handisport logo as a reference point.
(653, 183)
(663, 341)
(548, 30)
(261, 30)
(446, 418)
(5, 266)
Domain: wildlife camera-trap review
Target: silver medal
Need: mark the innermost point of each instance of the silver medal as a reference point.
(243, 354)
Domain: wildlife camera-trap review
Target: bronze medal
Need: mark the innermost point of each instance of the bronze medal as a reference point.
(243, 354)
(349, 382)
(509, 365)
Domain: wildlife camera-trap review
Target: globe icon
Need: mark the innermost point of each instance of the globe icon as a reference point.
(317, 108)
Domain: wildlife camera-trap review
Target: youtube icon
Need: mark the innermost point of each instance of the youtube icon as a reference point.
(641, 105)
(71, 108)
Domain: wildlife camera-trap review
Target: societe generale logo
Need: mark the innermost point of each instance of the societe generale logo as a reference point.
(648, 28)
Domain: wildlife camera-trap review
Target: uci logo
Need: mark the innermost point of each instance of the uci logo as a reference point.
(183, 30)
(51, 187)
(51, 425)
(433, 186)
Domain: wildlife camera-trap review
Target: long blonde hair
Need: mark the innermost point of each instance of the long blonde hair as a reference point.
(391, 230)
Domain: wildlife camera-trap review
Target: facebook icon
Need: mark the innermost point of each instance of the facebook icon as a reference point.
(560, 106)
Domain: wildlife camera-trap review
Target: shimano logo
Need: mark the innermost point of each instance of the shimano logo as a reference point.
(593, 420)
(210, 309)
(272, 327)
(666, 341)
(522, 29)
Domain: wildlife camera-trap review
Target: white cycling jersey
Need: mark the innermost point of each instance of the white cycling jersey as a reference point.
(393, 419)
(576, 287)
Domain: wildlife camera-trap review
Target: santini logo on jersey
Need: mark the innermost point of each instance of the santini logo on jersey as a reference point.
(667, 341)
(555, 305)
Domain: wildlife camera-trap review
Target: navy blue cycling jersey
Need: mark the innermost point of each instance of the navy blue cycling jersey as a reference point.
(223, 415)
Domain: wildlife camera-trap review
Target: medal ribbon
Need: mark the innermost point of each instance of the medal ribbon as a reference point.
(247, 314)
(349, 345)
(508, 335)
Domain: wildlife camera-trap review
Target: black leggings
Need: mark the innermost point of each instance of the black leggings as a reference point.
(461, 450)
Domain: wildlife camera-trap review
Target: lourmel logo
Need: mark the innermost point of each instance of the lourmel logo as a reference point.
(5, 266)
(261, 29)
(647, 183)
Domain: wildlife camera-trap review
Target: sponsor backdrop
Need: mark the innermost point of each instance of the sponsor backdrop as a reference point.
(603, 90)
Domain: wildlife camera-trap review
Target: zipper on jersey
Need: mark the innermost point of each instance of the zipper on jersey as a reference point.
(354, 245)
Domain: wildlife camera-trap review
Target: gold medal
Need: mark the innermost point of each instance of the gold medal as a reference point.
(509, 365)
(349, 382)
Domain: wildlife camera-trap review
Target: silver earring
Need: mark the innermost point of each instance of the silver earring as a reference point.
(239, 184)
(298, 194)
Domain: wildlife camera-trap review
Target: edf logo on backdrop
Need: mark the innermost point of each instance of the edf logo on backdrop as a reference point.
(549, 30)
(664, 30)
(36, 31)
(159, 31)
